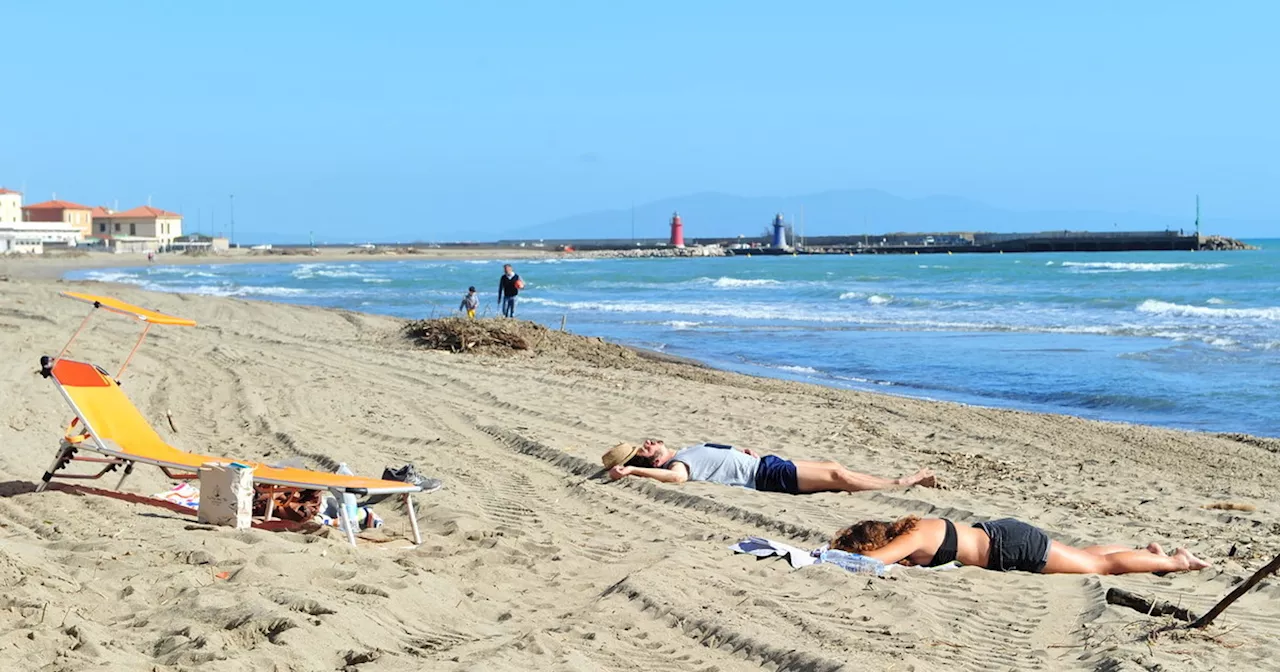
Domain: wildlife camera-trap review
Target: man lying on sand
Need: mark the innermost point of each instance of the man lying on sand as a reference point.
(1001, 545)
(744, 467)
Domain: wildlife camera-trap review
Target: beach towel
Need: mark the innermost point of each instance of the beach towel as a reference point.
(798, 557)
(183, 494)
(764, 548)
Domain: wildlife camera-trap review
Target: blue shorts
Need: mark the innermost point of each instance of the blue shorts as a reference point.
(777, 475)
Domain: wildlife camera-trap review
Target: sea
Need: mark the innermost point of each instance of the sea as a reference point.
(1178, 339)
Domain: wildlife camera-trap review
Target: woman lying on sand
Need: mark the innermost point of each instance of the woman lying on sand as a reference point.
(1002, 545)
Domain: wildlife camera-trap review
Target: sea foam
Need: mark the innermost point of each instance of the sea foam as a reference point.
(1155, 307)
(1140, 267)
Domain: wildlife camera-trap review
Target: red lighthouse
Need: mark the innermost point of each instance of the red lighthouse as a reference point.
(677, 231)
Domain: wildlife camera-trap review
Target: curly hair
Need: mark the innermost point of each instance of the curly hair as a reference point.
(870, 535)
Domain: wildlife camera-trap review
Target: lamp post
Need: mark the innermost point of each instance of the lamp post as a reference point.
(232, 241)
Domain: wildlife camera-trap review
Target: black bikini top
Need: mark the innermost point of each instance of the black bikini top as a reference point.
(947, 550)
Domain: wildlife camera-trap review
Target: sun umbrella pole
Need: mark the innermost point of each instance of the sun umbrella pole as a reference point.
(134, 350)
(77, 333)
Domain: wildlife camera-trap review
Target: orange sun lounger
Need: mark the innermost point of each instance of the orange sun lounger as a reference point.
(106, 422)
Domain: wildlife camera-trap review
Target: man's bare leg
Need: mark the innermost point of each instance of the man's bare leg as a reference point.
(834, 477)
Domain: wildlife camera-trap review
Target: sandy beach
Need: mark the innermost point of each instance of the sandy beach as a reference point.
(529, 564)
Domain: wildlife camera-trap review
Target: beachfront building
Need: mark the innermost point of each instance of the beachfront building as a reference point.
(198, 242)
(48, 233)
(71, 214)
(10, 206)
(143, 221)
(133, 244)
(14, 243)
(100, 222)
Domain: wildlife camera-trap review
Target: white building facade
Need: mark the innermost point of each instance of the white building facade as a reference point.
(49, 233)
(12, 243)
(10, 206)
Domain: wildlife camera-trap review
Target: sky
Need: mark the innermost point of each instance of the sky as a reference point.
(460, 120)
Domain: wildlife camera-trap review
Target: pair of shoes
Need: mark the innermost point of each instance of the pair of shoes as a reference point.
(406, 474)
(409, 474)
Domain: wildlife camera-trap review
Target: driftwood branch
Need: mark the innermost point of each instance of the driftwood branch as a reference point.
(1234, 595)
(1124, 598)
(169, 415)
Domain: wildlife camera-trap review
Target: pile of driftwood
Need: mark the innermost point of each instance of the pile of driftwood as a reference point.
(459, 334)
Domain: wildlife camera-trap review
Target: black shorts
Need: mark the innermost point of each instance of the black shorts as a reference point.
(1015, 546)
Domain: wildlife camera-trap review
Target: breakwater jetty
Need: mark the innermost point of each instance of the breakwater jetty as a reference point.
(1044, 241)
(891, 243)
(978, 243)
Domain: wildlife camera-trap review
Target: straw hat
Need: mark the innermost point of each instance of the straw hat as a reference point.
(619, 454)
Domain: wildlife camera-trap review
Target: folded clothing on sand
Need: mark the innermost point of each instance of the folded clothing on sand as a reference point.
(798, 557)
(764, 548)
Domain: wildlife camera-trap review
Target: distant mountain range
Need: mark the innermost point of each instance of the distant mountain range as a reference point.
(854, 212)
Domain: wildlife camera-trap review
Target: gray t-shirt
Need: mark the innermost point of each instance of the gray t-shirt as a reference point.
(719, 464)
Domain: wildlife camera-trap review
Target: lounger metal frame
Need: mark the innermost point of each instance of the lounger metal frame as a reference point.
(117, 456)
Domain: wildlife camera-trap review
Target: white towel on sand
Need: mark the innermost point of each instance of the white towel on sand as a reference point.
(763, 548)
(798, 557)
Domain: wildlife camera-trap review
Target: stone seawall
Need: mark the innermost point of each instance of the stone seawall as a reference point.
(699, 251)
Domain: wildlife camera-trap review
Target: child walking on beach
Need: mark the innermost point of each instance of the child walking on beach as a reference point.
(470, 302)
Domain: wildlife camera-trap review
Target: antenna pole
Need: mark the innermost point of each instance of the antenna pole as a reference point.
(1197, 215)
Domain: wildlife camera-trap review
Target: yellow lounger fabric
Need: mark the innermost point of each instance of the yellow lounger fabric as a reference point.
(118, 306)
(117, 428)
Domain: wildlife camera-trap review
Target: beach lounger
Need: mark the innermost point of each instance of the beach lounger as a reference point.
(107, 422)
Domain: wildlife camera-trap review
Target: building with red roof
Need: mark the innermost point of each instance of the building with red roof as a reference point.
(66, 212)
(143, 221)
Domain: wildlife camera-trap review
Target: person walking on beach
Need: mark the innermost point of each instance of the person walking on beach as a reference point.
(470, 302)
(744, 467)
(1003, 545)
(509, 286)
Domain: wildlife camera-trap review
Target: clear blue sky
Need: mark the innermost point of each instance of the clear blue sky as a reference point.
(453, 120)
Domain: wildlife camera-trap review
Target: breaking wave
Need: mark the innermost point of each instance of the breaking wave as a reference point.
(1139, 267)
(1155, 307)
(736, 283)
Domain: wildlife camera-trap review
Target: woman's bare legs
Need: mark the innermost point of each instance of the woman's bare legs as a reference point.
(834, 477)
(1108, 549)
(1064, 559)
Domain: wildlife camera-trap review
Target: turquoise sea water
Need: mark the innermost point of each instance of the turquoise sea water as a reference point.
(1181, 339)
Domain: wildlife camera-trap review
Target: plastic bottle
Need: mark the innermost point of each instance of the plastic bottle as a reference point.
(853, 562)
(348, 499)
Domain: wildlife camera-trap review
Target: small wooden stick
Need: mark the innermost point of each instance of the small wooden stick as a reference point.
(169, 415)
(1124, 598)
(1240, 590)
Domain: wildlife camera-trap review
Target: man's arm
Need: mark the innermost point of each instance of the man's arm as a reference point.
(678, 473)
(500, 290)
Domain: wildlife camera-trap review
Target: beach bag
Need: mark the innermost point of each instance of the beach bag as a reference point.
(226, 494)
